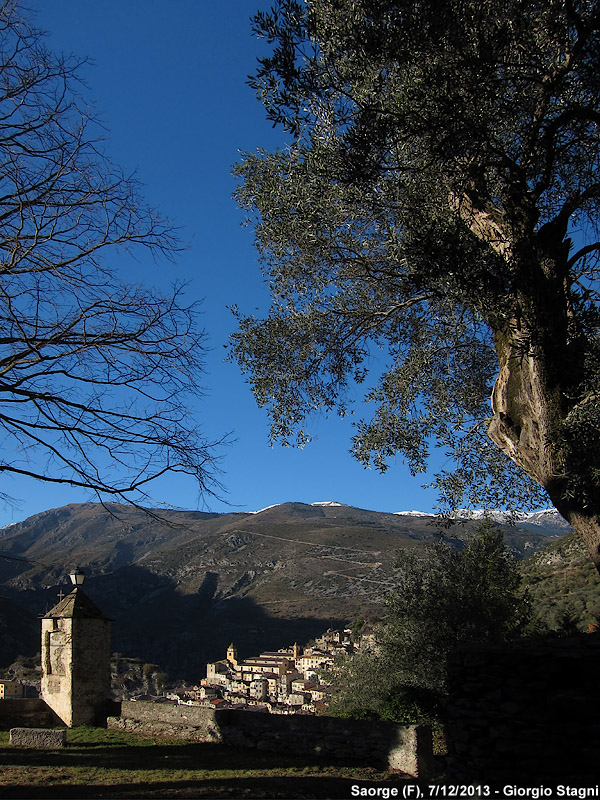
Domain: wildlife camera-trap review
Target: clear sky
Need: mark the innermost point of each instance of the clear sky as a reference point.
(169, 81)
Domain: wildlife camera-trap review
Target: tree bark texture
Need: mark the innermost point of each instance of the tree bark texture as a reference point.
(540, 351)
(528, 408)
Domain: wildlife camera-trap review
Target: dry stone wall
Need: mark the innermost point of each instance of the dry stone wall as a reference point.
(525, 712)
(27, 713)
(406, 748)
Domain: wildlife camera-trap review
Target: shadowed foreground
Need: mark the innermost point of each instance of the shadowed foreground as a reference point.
(111, 764)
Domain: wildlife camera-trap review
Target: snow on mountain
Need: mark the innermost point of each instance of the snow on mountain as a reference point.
(413, 514)
(266, 508)
(328, 503)
(495, 514)
(475, 514)
(4, 528)
(544, 517)
(548, 516)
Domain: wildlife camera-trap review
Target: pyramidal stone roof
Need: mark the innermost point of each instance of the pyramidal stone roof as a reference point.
(76, 604)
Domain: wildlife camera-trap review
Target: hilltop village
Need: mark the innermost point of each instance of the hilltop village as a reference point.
(288, 681)
(291, 680)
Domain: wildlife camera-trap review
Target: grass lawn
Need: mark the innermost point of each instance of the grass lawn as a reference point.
(113, 764)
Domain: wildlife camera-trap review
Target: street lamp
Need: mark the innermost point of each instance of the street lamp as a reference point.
(77, 577)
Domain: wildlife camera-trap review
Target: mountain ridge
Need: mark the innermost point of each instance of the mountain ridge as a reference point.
(181, 587)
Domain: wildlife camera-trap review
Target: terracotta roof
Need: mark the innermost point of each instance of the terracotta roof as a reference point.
(76, 604)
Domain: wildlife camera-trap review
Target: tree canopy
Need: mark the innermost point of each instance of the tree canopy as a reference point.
(445, 597)
(94, 373)
(435, 213)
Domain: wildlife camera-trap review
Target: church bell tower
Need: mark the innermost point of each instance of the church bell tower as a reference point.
(232, 655)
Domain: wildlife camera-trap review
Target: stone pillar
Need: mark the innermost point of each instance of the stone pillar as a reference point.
(76, 660)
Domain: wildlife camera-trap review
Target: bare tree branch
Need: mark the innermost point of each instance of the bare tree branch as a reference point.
(95, 375)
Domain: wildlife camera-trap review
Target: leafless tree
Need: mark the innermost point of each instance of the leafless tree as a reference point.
(94, 374)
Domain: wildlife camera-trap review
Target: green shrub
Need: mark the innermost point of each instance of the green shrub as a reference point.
(410, 705)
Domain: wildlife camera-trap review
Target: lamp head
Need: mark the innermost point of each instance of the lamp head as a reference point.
(77, 577)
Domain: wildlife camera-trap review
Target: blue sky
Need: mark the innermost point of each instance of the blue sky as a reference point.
(169, 81)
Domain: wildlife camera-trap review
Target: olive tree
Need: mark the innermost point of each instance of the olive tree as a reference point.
(431, 231)
(444, 597)
(93, 372)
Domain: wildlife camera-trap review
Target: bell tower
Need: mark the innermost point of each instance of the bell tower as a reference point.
(76, 658)
(232, 655)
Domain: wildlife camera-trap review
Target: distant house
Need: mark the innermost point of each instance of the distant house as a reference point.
(320, 694)
(296, 699)
(217, 673)
(259, 689)
(301, 685)
(275, 663)
(208, 693)
(9, 690)
(312, 661)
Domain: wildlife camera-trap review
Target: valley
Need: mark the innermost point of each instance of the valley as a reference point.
(181, 585)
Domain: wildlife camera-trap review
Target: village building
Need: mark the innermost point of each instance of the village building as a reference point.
(312, 661)
(10, 690)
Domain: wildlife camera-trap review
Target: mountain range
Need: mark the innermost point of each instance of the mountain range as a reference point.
(181, 585)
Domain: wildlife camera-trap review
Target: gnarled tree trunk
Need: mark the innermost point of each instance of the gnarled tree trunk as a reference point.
(529, 409)
(541, 361)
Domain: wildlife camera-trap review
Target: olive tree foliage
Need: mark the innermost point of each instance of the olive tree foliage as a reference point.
(444, 597)
(93, 372)
(431, 231)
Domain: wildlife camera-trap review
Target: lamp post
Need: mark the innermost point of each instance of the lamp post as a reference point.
(77, 577)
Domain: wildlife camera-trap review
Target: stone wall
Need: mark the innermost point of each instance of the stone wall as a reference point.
(23, 713)
(406, 748)
(525, 712)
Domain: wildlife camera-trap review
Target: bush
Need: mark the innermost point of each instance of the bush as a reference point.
(410, 705)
